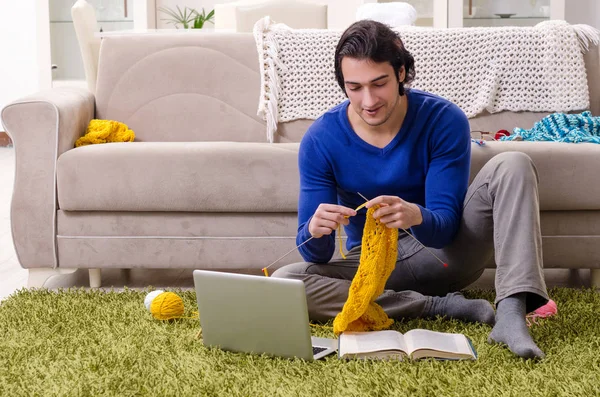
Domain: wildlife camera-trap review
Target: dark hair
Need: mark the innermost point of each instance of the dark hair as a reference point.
(367, 39)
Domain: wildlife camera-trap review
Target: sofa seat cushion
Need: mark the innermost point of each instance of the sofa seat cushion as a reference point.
(568, 172)
(263, 177)
(179, 176)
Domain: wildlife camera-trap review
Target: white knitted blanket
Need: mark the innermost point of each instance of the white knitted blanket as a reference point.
(537, 68)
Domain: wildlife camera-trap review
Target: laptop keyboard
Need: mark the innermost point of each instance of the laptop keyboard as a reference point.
(317, 350)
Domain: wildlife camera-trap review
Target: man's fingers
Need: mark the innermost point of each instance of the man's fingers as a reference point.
(383, 201)
(380, 200)
(332, 216)
(394, 212)
(389, 209)
(338, 219)
(329, 224)
(337, 209)
(391, 218)
(328, 217)
(382, 211)
(395, 220)
(324, 227)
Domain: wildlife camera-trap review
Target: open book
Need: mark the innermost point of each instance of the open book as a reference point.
(415, 344)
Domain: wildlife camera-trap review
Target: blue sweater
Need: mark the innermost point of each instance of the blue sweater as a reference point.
(427, 163)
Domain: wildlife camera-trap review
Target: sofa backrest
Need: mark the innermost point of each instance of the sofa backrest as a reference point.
(181, 87)
(194, 86)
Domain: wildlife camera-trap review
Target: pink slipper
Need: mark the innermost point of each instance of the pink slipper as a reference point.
(548, 310)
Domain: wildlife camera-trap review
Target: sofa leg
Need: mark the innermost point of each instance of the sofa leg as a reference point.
(95, 278)
(38, 276)
(595, 277)
(126, 274)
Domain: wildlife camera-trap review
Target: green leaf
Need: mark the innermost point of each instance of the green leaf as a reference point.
(181, 16)
(201, 18)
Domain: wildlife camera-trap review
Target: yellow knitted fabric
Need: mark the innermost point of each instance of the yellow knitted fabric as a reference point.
(377, 260)
(104, 131)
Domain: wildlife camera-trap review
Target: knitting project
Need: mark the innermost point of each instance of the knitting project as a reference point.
(377, 261)
(560, 127)
(537, 68)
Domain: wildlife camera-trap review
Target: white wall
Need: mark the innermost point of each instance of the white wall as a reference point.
(340, 13)
(583, 11)
(24, 48)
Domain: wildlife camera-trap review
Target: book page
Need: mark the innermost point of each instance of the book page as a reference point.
(368, 342)
(417, 339)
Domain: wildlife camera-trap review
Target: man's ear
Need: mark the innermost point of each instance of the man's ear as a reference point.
(401, 74)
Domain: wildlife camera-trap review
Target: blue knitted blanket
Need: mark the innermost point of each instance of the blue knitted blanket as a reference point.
(561, 127)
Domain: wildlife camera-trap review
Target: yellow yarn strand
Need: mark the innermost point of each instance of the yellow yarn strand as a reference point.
(168, 306)
(340, 241)
(377, 261)
(105, 131)
(339, 232)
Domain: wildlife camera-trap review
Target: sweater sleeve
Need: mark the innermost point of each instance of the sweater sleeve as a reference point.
(447, 179)
(317, 185)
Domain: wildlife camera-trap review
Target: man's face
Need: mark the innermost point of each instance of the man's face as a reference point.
(372, 88)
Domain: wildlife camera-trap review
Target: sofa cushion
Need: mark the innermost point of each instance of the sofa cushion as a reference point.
(568, 172)
(262, 177)
(179, 176)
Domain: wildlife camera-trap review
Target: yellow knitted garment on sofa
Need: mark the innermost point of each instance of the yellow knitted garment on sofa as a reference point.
(377, 260)
(105, 131)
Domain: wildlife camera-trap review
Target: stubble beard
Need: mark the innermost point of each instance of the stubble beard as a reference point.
(385, 119)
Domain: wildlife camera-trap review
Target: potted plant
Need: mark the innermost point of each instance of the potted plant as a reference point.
(187, 17)
(201, 19)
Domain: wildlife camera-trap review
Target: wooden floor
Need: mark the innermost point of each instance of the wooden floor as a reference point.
(13, 277)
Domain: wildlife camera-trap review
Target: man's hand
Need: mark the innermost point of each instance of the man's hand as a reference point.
(395, 212)
(327, 218)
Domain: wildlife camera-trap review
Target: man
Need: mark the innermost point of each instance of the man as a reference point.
(409, 153)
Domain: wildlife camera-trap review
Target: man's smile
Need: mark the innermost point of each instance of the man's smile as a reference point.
(372, 112)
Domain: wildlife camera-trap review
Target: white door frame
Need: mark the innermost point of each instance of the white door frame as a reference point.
(144, 14)
(42, 43)
(443, 11)
(455, 14)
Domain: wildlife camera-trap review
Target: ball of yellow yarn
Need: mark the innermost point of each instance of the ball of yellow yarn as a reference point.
(167, 306)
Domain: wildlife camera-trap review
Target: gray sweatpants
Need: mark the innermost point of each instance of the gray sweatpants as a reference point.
(501, 222)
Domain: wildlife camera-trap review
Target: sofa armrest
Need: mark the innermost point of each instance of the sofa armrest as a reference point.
(41, 126)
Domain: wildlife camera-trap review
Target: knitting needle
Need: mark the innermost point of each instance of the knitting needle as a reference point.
(405, 231)
(264, 269)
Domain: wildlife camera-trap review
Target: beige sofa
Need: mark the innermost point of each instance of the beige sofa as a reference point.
(201, 187)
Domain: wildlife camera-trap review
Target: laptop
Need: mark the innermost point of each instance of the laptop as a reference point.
(257, 314)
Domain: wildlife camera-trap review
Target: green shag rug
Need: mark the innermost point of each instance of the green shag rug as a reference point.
(99, 343)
